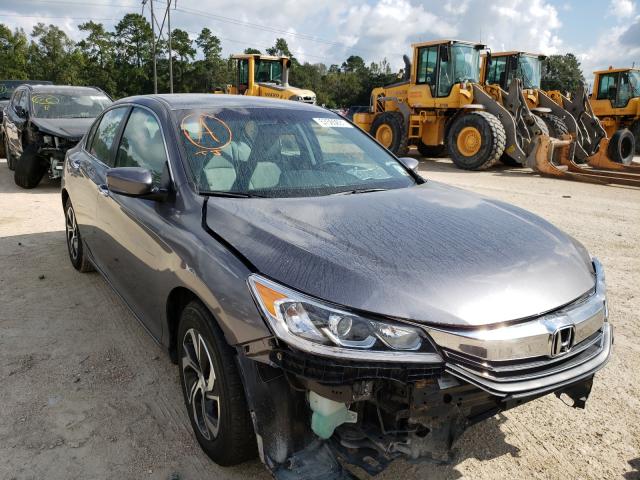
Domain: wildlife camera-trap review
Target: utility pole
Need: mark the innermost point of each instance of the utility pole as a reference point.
(156, 40)
(170, 51)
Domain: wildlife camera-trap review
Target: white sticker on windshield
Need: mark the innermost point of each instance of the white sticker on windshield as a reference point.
(332, 123)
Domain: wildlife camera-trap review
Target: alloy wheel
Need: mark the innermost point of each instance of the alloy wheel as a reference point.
(72, 233)
(200, 384)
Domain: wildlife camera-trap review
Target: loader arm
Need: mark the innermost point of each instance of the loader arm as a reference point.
(513, 148)
(590, 128)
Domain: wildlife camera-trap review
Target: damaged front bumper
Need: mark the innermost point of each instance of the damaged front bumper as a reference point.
(307, 408)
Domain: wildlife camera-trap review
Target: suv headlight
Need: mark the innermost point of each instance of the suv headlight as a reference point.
(310, 325)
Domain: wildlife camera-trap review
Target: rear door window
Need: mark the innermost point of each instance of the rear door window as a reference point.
(102, 143)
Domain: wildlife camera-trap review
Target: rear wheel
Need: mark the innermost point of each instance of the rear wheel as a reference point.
(389, 130)
(476, 140)
(431, 151)
(622, 147)
(556, 126)
(635, 130)
(29, 169)
(212, 388)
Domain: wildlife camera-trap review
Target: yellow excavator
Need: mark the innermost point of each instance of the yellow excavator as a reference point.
(441, 105)
(265, 76)
(603, 151)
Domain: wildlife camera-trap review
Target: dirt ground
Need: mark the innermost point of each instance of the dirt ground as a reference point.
(86, 394)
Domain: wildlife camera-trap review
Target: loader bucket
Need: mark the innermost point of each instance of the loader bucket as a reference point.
(554, 158)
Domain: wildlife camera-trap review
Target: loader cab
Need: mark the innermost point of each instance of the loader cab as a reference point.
(616, 86)
(442, 64)
(502, 67)
(253, 70)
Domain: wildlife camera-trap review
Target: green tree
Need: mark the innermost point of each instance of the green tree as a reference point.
(211, 72)
(252, 51)
(53, 55)
(281, 48)
(561, 72)
(183, 53)
(134, 55)
(99, 51)
(14, 49)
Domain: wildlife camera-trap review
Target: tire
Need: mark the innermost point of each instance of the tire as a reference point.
(622, 147)
(556, 126)
(75, 247)
(486, 145)
(230, 440)
(635, 130)
(432, 151)
(29, 169)
(389, 130)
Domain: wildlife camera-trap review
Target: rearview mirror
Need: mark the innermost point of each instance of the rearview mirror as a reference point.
(130, 181)
(410, 163)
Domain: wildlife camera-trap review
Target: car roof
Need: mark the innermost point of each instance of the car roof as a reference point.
(187, 101)
(62, 88)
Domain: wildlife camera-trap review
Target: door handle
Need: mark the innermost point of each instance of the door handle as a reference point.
(104, 190)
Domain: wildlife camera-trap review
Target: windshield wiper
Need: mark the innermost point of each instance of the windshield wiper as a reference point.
(361, 190)
(217, 193)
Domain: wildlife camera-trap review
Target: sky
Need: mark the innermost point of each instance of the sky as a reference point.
(599, 32)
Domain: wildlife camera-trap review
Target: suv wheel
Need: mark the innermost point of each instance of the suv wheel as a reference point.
(212, 388)
(77, 254)
(30, 169)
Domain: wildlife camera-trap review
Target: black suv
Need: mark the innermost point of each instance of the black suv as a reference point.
(6, 89)
(42, 122)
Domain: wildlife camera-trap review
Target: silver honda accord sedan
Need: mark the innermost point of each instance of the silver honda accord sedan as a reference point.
(324, 303)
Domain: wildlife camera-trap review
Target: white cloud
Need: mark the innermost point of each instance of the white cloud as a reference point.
(622, 8)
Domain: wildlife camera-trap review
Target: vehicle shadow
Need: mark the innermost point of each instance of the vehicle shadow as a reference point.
(635, 473)
(7, 185)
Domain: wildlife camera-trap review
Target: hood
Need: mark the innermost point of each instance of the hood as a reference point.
(430, 253)
(70, 128)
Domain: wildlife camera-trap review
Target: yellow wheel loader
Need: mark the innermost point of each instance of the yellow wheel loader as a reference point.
(441, 105)
(616, 102)
(265, 76)
(564, 118)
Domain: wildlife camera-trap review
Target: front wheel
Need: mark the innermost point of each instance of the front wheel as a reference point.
(29, 169)
(75, 247)
(476, 140)
(622, 147)
(212, 388)
(389, 130)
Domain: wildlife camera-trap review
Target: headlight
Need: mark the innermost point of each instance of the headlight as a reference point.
(310, 325)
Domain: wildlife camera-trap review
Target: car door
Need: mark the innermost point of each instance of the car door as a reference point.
(86, 172)
(130, 229)
(15, 121)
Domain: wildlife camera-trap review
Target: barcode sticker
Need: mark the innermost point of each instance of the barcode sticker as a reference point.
(332, 123)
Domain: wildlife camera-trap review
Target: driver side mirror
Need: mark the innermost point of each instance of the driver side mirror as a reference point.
(20, 111)
(133, 182)
(410, 163)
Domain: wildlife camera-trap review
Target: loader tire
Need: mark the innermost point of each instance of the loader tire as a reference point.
(622, 147)
(29, 168)
(556, 126)
(389, 130)
(476, 141)
(635, 129)
(431, 151)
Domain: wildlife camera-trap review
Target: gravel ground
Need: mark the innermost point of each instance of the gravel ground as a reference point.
(87, 394)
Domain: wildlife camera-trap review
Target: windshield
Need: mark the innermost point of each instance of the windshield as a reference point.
(463, 65)
(530, 70)
(68, 105)
(283, 153)
(268, 71)
(8, 86)
(634, 81)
